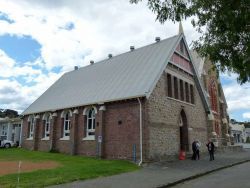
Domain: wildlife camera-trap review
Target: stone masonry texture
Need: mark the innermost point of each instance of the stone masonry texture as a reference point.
(163, 114)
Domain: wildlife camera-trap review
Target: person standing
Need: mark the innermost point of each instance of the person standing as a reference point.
(198, 145)
(194, 150)
(210, 148)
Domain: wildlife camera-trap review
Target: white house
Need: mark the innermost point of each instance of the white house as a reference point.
(247, 131)
(238, 133)
(10, 129)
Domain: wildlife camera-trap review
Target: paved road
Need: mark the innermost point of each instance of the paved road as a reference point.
(234, 177)
(244, 145)
(162, 173)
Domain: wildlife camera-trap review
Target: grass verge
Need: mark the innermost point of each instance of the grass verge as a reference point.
(71, 168)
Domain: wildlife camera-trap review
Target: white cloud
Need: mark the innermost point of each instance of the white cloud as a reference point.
(237, 96)
(100, 28)
(5, 61)
(8, 67)
(12, 95)
(15, 94)
(246, 115)
(229, 76)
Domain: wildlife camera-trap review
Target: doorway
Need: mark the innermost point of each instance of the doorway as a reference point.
(184, 143)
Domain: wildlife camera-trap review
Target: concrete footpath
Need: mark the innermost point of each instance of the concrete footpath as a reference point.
(164, 174)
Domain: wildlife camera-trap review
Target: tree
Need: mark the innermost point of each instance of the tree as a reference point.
(8, 113)
(233, 121)
(226, 39)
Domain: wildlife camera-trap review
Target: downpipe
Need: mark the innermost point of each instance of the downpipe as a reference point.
(139, 164)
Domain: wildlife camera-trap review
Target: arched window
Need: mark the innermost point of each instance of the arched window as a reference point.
(31, 125)
(169, 85)
(176, 91)
(187, 92)
(90, 131)
(66, 127)
(181, 90)
(47, 120)
(192, 93)
(213, 96)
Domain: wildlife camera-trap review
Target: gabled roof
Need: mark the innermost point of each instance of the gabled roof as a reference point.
(198, 62)
(128, 75)
(197, 80)
(222, 95)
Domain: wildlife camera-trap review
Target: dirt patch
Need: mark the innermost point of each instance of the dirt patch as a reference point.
(11, 167)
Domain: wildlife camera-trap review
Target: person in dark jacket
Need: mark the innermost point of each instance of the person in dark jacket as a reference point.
(194, 149)
(210, 148)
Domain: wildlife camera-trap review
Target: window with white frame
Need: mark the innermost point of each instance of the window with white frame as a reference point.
(66, 127)
(4, 130)
(31, 127)
(90, 131)
(47, 126)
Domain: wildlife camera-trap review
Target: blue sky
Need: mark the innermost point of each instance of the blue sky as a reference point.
(21, 49)
(40, 40)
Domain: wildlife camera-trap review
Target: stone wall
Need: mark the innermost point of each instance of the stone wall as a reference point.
(212, 74)
(163, 115)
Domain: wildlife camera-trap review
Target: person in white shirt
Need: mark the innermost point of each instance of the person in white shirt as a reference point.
(198, 145)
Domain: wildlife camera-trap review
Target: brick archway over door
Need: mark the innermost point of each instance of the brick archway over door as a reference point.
(184, 143)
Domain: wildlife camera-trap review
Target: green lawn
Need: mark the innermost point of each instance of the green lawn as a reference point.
(71, 168)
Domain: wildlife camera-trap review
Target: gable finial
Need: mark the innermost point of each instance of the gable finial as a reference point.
(180, 28)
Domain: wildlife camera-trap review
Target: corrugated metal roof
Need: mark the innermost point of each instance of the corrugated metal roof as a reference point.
(128, 75)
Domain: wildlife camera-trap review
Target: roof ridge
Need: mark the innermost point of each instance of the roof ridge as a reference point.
(123, 79)
(136, 49)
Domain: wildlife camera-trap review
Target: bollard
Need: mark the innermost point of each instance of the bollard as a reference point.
(18, 173)
(182, 155)
(134, 153)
